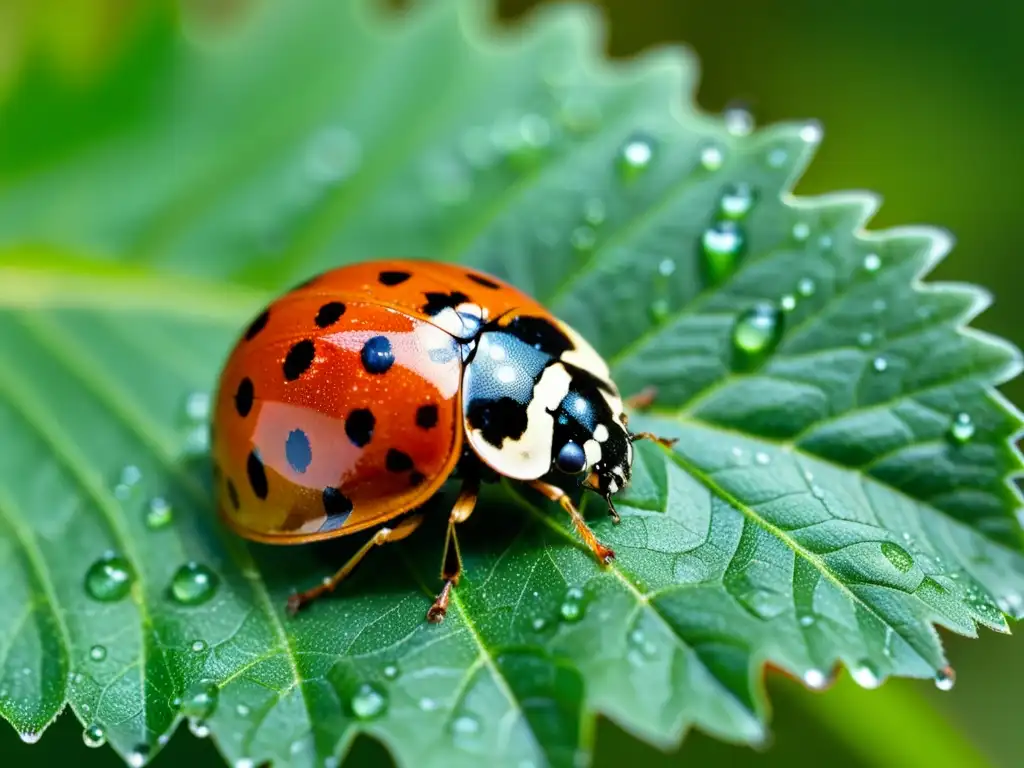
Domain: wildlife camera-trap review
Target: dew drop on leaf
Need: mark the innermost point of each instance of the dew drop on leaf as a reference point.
(30, 737)
(872, 262)
(865, 675)
(711, 158)
(762, 458)
(721, 246)
(109, 578)
(806, 621)
(659, 311)
(242, 710)
(98, 653)
(391, 672)
(777, 158)
(198, 646)
(572, 608)
(806, 287)
(738, 121)
(666, 267)
(427, 705)
(945, 679)
(801, 231)
(538, 624)
(193, 584)
(811, 133)
(962, 428)
(160, 514)
(579, 115)
(200, 700)
(788, 303)
(198, 728)
(137, 757)
(865, 338)
(756, 333)
(815, 679)
(880, 364)
(635, 157)
(368, 702)
(465, 728)
(127, 481)
(594, 212)
(898, 556)
(583, 239)
(94, 736)
(197, 406)
(737, 200)
(245, 762)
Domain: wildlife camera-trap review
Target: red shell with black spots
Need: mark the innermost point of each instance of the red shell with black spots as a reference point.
(340, 407)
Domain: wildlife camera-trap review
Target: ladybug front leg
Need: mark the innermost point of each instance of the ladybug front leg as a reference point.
(451, 566)
(553, 492)
(382, 536)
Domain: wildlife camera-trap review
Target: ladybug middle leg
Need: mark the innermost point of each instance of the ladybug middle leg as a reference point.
(384, 535)
(553, 492)
(451, 566)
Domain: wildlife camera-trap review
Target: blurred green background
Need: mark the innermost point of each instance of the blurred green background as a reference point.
(921, 102)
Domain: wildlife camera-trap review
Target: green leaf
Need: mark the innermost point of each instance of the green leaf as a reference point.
(839, 487)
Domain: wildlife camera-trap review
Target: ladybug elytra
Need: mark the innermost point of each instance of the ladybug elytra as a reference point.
(350, 400)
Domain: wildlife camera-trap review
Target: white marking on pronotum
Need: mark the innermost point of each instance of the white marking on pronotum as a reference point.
(600, 433)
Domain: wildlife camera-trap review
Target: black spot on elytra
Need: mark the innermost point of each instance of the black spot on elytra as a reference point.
(377, 355)
(298, 451)
(498, 419)
(298, 359)
(392, 278)
(257, 475)
(438, 302)
(329, 314)
(481, 280)
(257, 325)
(233, 495)
(359, 426)
(416, 478)
(426, 416)
(397, 461)
(244, 396)
(337, 506)
(540, 334)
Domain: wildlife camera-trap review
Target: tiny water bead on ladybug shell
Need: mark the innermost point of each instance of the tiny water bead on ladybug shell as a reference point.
(350, 400)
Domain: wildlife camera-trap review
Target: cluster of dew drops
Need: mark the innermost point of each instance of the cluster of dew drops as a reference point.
(756, 333)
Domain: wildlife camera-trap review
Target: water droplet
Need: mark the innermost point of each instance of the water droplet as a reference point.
(390, 672)
(465, 729)
(880, 364)
(333, 155)
(199, 728)
(659, 311)
(788, 303)
(583, 239)
(805, 287)
(817, 492)
(538, 624)
(109, 578)
(137, 757)
(962, 428)
(642, 649)
(197, 441)
(1012, 604)
(666, 267)
(98, 653)
(721, 244)
(127, 481)
(811, 133)
(594, 211)
(94, 736)
(738, 120)
(801, 231)
(711, 158)
(635, 157)
(427, 705)
(898, 556)
(777, 158)
(160, 513)
(368, 702)
(815, 679)
(579, 115)
(197, 406)
(242, 710)
(865, 338)
(762, 458)
(865, 675)
(737, 200)
(572, 608)
(756, 333)
(872, 262)
(806, 621)
(193, 584)
(245, 762)
(198, 646)
(30, 737)
(945, 679)
(200, 700)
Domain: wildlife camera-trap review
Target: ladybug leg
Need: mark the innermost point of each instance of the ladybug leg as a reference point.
(642, 400)
(554, 493)
(382, 536)
(665, 442)
(451, 566)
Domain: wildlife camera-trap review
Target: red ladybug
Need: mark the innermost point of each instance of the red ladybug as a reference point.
(350, 400)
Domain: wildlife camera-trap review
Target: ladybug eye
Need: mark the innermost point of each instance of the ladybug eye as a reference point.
(571, 459)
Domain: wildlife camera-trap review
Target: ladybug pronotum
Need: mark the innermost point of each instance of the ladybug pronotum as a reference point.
(350, 400)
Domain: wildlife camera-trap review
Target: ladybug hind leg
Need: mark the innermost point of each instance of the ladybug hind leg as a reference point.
(451, 566)
(382, 536)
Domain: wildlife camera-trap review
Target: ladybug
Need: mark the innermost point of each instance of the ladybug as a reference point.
(350, 400)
